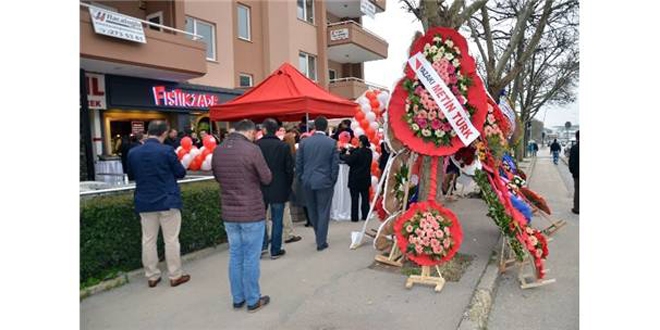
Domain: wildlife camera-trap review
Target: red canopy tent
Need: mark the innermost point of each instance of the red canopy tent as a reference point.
(286, 95)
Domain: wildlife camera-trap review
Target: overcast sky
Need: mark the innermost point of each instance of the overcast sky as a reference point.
(398, 27)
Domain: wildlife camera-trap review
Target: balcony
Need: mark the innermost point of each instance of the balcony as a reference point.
(351, 88)
(351, 8)
(167, 54)
(349, 42)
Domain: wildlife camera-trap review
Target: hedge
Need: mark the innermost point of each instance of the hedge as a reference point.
(110, 231)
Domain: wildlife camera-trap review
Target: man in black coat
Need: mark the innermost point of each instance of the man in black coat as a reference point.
(359, 177)
(555, 148)
(278, 157)
(574, 167)
(173, 139)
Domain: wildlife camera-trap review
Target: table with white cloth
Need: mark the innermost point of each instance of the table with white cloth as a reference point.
(341, 199)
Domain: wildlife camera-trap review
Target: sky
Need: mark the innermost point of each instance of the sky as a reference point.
(398, 27)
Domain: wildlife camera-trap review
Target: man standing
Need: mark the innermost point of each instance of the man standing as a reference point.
(317, 167)
(574, 167)
(240, 169)
(173, 139)
(555, 148)
(359, 177)
(156, 168)
(279, 160)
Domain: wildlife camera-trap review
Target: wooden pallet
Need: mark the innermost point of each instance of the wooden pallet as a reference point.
(426, 279)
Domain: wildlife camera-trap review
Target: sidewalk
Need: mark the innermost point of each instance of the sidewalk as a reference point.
(554, 306)
(332, 289)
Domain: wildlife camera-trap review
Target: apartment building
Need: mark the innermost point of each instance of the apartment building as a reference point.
(198, 53)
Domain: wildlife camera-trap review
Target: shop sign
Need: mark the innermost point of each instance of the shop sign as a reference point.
(339, 34)
(183, 99)
(95, 90)
(367, 8)
(117, 25)
(137, 127)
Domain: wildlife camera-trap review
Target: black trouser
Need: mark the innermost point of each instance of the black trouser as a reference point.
(355, 194)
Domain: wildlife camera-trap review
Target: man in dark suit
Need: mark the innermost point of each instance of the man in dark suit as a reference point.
(173, 139)
(359, 177)
(574, 167)
(156, 168)
(279, 160)
(317, 167)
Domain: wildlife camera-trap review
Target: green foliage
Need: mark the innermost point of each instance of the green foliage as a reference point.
(497, 213)
(110, 231)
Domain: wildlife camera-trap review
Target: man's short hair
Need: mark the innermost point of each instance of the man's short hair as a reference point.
(157, 127)
(346, 122)
(364, 140)
(245, 125)
(270, 125)
(320, 123)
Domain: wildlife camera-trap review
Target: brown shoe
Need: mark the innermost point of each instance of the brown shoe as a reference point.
(153, 283)
(180, 280)
(263, 301)
(293, 239)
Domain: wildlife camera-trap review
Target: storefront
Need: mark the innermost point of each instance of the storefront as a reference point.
(134, 102)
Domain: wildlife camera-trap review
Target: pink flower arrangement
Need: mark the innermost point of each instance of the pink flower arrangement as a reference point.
(428, 233)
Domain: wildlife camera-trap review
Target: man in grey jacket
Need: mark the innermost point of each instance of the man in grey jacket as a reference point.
(240, 169)
(317, 167)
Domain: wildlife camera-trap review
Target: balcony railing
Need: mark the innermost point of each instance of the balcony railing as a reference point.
(338, 80)
(354, 23)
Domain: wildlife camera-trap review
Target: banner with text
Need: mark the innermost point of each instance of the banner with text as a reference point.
(457, 117)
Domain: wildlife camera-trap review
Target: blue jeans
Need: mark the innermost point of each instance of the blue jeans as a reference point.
(555, 157)
(244, 242)
(277, 215)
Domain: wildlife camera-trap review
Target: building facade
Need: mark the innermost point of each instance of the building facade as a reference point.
(200, 53)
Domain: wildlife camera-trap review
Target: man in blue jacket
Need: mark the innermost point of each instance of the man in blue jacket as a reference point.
(317, 167)
(156, 168)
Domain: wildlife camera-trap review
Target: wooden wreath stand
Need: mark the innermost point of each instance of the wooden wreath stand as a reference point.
(427, 279)
(555, 224)
(395, 256)
(527, 274)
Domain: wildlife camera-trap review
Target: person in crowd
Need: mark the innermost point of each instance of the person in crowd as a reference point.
(345, 125)
(449, 182)
(123, 146)
(276, 194)
(173, 139)
(156, 168)
(303, 124)
(317, 167)
(574, 167)
(200, 141)
(359, 177)
(555, 148)
(384, 156)
(300, 191)
(535, 148)
(240, 169)
(295, 200)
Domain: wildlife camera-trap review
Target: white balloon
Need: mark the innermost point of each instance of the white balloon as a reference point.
(382, 98)
(194, 152)
(206, 165)
(358, 131)
(374, 125)
(354, 125)
(374, 181)
(376, 156)
(177, 149)
(186, 160)
(366, 108)
(201, 149)
(362, 100)
(371, 117)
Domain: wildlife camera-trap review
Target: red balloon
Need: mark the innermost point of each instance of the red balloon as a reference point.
(370, 95)
(374, 167)
(378, 147)
(376, 111)
(374, 104)
(182, 152)
(205, 153)
(364, 123)
(186, 143)
(359, 115)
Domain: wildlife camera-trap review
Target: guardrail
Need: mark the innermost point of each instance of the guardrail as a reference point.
(358, 80)
(164, 27)
(131, 186)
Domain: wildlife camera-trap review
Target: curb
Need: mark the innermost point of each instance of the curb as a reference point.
(137, 274)
(476, 314)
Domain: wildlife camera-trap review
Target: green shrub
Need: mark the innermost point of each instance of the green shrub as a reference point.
(110, 231)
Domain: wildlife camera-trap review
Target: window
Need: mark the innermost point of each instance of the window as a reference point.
(157, 18)
(245, 80)
(244, 22)
(307, 65)
(207, 31)
(306, 10)
(332, 74)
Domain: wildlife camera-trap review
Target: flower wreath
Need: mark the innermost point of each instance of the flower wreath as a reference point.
(537, 245)
(415, 117)
(428, 233)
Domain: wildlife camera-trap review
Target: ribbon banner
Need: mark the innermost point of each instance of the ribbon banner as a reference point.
(457, 117)
(508, 112)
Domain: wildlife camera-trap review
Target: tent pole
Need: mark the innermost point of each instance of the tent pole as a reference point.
(307, 121)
